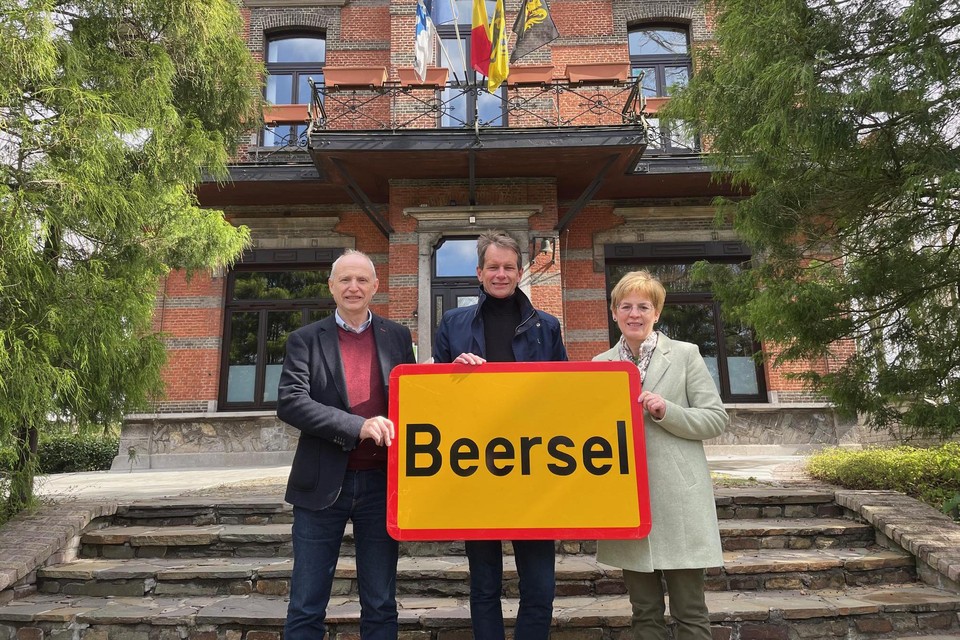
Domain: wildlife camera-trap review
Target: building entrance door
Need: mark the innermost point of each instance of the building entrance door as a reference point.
(454, 279)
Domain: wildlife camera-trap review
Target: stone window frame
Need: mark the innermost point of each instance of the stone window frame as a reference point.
(435, 223)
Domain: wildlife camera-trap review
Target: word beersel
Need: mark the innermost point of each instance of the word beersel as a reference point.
(517, 451)
(500, 454)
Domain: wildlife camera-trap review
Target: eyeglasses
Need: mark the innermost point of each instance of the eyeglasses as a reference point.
(642, 307)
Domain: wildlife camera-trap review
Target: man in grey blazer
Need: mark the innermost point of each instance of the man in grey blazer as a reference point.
(333, 388)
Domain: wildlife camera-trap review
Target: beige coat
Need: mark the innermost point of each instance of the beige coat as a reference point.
(685, 534)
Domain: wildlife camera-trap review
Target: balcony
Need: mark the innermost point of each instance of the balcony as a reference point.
(579, 129)
(584, 126)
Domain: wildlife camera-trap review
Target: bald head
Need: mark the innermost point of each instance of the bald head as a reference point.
(355, 254)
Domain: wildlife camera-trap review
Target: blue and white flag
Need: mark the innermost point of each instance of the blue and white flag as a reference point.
(426, 34)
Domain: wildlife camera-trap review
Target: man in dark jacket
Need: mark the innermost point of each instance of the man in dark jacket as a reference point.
(504, 327)
(333, 388)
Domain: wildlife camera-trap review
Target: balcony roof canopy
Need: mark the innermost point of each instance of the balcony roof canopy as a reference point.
(373, 158)
(572, 156)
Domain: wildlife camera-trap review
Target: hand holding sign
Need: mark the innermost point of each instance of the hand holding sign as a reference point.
(655, 405)
(378, 429)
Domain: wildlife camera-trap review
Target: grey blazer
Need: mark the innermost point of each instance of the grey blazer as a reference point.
(685, 533)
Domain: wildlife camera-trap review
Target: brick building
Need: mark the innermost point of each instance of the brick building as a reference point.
(410, 172)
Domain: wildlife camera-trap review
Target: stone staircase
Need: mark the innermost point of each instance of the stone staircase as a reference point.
(798, 563)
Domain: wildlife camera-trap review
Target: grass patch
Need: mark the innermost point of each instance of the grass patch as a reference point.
(721, 481)
(929, 474)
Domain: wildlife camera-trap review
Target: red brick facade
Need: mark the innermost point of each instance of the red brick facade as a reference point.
(569, 282)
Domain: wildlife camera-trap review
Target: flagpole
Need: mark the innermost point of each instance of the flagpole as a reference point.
(447, 56)
(456, 28)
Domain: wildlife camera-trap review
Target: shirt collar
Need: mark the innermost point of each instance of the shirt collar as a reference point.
(343, 323)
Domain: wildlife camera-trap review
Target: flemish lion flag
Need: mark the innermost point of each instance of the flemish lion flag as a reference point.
(534, 27)
(499, 67)
(480, 38)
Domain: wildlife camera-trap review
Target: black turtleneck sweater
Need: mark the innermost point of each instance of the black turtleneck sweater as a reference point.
(501, 317)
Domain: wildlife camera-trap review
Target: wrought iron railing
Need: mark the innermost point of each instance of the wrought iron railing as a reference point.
(457, 105)
(393, 106)
(293, 140)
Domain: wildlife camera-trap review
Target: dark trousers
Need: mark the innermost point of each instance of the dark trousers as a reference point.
(688, 608)
(316, 546)
(536, 568)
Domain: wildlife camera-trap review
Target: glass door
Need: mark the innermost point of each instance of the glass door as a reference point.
(454, 282)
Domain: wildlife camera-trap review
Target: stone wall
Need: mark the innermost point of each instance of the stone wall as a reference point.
(170, 441)
(801, 427)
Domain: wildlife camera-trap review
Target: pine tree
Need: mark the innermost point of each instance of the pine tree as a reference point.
(110, 113)
(840, 121)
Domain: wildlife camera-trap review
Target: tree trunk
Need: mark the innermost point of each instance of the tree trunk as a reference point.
(21, 478)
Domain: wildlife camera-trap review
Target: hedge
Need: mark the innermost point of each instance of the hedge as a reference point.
(929, 474)
(67, 452)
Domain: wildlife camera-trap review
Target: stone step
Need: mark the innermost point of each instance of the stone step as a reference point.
(769, 569)
(747, 502)
(273, 540)
(758, 502)
(796, 533)
(857, 612)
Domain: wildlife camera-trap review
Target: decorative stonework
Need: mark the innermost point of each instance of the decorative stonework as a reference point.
(805, 428)
(662, 223)
(683, 12)
(295, 232)
(212, 440)
(268, 17)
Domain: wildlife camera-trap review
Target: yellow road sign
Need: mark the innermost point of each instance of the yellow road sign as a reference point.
(547, 450)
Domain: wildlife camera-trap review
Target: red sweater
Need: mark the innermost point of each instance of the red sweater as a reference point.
(361, 368)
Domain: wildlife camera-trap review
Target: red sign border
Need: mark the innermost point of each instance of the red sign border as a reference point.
(525, 533)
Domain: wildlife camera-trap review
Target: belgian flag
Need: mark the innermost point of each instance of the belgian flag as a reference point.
(480, 40)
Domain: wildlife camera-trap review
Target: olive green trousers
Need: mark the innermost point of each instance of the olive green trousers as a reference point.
(688, 607)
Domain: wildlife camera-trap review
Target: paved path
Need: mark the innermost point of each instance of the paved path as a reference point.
(171, 482)
(149, 484)
(760, 467)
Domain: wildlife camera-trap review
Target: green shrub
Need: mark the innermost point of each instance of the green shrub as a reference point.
(64, 453)
(928, 474)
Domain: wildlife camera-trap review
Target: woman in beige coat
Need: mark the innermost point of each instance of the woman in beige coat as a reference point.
(681, 408)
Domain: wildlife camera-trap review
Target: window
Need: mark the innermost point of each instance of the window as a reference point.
(662, 55)
(457, 12)
(292, 60)
(691, 314)
(463, 105)
(264, 304)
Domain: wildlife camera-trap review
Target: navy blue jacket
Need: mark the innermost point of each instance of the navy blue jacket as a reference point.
(537, 338)
(312, 397)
